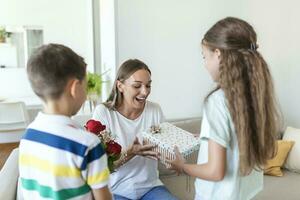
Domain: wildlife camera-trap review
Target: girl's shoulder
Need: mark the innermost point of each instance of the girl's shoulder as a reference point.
(217, 97)
(217, 101)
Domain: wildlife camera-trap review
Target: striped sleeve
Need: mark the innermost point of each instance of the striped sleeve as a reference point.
(94, 167)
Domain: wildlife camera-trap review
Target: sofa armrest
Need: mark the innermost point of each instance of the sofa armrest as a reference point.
(9, 176)
(191, 125)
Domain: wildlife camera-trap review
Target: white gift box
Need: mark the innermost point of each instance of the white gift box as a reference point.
(167, 136)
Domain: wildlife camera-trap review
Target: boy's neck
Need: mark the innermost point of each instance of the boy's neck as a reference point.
(58, 107)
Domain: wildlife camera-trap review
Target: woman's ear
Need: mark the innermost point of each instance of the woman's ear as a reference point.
(217, 52)
(120, 86)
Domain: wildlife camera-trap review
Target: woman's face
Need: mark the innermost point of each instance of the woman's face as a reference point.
(136, 89)
(211, 61)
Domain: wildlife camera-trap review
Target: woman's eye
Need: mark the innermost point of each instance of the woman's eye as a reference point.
(148, 86)
(136, 86)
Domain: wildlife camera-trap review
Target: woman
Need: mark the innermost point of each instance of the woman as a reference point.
(127, 113)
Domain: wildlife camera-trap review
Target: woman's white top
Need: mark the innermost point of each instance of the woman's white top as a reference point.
(138, 175)
(217, 125)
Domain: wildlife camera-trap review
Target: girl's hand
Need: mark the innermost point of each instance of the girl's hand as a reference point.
(142, 150)
(178, 163)
(196, 135)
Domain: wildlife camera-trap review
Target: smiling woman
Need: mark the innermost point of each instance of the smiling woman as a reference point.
(127, 113)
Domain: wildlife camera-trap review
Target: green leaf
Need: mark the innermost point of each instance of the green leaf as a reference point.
(94, 83)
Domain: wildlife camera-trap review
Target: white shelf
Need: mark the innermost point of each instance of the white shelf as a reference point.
(5, 44)
(24, 40)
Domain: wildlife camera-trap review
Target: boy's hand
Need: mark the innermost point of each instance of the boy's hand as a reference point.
(178, 163)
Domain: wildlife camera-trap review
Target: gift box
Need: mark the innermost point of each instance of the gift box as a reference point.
(166, 136)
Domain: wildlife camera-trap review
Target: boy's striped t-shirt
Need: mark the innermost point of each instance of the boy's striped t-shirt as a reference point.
(58, 160)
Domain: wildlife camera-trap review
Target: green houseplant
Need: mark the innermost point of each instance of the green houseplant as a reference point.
(94, 88)
(2, 34)
(94, 85)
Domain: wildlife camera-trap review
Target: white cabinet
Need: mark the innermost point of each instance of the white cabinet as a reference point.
(19, 46)
(8, 55)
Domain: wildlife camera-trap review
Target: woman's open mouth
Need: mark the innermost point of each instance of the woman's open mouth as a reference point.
(140, 99)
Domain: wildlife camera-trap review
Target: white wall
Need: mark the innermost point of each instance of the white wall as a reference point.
(63, 21)
(166, 35)
(278, 28)
(68, 22)
(108, 45)
(14, 83)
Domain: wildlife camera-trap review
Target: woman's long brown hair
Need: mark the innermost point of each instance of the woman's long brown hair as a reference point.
(128, 68)
(245, 78)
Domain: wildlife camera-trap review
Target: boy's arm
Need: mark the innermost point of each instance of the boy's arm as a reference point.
(96, 172)
(213, 170)
(102, 194)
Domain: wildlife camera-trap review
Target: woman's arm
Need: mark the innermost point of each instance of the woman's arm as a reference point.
(213, 170)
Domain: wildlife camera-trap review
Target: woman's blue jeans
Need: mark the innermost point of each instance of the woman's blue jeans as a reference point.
(156, 193)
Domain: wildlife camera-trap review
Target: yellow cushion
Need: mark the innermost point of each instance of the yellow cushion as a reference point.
(273, 166)
(292, 162)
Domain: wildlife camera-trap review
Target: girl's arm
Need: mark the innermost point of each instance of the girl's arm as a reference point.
(213, 170)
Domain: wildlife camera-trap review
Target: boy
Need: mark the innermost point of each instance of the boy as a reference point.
(58, 159)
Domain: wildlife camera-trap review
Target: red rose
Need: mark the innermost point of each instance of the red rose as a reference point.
(94, 126)
(113, 148)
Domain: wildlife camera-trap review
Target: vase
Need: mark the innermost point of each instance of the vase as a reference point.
(93, 99)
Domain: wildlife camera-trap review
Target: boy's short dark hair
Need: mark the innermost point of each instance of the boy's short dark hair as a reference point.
(50, 67)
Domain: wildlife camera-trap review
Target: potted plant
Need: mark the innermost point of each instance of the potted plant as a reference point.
(2, 35)
(94, 86)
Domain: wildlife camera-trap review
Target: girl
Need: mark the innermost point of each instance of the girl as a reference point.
(239, 126)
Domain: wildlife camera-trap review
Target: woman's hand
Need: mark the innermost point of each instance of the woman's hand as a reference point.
(178, 163)
(142, 150)
(136, 149)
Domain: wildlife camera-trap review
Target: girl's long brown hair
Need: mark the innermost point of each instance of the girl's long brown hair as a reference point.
(245, 78)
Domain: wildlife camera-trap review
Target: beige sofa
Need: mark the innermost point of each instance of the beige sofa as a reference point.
(275, 188)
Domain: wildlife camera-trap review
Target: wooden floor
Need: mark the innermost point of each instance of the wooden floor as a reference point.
(5, 150)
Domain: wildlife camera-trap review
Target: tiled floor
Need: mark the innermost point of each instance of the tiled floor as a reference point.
(5, 150)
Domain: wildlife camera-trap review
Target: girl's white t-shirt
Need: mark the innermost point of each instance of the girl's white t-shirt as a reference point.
(140, 174)
(217, 125)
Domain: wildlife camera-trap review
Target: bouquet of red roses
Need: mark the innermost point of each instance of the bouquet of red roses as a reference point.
(112, 148)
